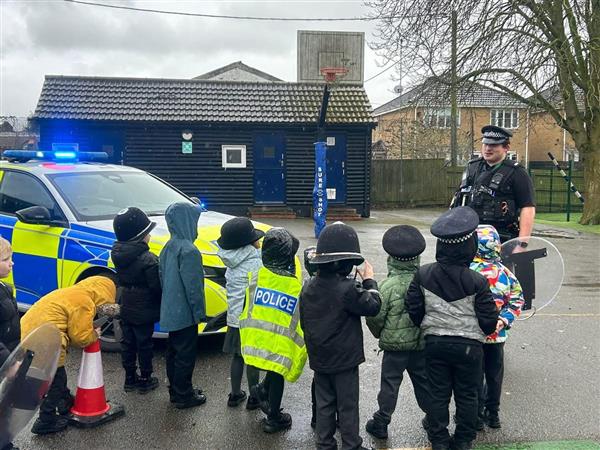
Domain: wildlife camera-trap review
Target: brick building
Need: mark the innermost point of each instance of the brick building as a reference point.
(416, 124)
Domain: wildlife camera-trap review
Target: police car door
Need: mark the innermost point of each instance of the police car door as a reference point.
(35, 247)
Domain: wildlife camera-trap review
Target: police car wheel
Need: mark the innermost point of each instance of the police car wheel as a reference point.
(109, 345)
(110, 341)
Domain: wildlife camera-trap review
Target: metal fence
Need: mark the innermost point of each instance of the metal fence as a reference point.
(552, 193)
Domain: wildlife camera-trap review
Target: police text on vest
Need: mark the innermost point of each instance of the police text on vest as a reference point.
(275, 299)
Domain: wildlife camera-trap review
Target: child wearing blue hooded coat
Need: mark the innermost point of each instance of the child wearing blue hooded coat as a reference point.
(183, 305)
(239, 250)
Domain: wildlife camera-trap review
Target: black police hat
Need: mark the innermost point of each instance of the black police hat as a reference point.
(456, 225)
(403, 242)
(495, 135)
(338, 242)
(132, 224)
(238, 232)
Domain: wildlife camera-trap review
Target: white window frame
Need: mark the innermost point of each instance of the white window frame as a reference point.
(225, 149)
(435, 114)
(498, 118)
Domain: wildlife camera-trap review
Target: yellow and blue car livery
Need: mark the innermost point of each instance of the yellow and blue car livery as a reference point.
(81, 200)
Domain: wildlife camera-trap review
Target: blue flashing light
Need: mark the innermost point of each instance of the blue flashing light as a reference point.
(56, 156)
(62, 156)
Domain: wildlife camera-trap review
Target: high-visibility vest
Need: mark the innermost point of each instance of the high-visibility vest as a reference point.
(270, 333)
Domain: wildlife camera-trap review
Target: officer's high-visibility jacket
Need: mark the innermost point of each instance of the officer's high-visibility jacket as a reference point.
(270, 332)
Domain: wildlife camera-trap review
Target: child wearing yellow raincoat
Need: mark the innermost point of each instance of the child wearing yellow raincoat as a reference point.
(72, 310)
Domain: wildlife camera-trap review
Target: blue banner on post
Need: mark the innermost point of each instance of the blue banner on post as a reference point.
(320, 191)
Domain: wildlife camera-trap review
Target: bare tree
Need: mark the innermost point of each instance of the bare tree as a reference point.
(545, 53)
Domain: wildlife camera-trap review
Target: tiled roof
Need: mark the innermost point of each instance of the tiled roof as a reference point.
(554, 96)
(142, 99)
(236, 65)
(435, 94)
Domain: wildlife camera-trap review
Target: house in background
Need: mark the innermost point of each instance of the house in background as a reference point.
(15, 134)
(545, 135)
(237, 71)
(416, 124)
(239, 146)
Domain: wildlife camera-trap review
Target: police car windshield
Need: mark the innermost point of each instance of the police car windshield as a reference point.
(101, 195)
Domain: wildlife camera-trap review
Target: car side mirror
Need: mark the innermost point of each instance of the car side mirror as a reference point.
(198, 202)
(37, 215)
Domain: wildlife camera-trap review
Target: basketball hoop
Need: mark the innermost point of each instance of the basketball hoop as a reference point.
(332, 73)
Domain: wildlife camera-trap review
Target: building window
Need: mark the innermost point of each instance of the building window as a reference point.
(439, 118)
(233, 156)
(505, 118)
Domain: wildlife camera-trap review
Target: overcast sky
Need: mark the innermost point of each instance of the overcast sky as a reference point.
(55, 37)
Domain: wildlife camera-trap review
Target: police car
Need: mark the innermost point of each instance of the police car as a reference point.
(56, 209)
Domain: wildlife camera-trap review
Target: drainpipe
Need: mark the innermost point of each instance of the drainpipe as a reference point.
(415, 135)
(527, 141)
(368, 175)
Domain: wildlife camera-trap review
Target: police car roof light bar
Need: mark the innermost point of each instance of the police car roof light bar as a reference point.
(56, 156)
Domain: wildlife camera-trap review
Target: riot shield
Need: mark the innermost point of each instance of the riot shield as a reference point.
(540, 269)
(25, 378)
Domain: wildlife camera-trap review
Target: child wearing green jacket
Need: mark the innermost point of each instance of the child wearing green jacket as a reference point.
(402, 342)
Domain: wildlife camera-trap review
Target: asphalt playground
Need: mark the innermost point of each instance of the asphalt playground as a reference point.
(551, 392)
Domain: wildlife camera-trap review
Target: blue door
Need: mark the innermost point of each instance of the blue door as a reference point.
(336, 168)
(269, 168)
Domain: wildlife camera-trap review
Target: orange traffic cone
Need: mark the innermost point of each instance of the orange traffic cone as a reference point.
(91, 408)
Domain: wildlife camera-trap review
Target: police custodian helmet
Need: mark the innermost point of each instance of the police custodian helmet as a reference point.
(338, 242)
(132, 224)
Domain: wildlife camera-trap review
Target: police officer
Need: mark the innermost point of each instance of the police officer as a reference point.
(499, 190)
(454, 307)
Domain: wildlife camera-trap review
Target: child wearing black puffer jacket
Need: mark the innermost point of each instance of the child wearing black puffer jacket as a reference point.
(331, 307)
(140, 294)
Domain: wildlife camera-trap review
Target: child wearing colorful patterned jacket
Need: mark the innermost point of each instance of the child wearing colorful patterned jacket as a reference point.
(508, 296)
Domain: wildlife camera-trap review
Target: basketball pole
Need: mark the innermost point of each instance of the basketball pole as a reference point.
(320, 188)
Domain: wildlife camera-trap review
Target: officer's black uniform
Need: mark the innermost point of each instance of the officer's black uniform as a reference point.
(496, 193)
(454, 307)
